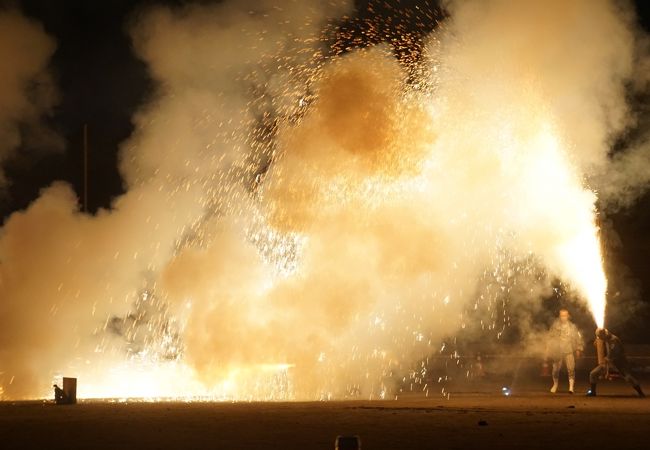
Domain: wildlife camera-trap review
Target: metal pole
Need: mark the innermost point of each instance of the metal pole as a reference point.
(85, 167)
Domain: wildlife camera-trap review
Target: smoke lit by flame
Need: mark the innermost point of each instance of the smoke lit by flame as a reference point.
(312, 215)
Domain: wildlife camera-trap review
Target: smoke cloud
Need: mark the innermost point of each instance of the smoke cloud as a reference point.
(302, 225)
(27, 92)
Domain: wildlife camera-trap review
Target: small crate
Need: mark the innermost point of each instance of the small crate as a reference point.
(70, 390)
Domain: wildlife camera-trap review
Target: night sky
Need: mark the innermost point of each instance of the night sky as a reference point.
(102, 84)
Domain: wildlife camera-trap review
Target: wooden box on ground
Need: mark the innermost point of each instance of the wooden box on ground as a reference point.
(70, 390)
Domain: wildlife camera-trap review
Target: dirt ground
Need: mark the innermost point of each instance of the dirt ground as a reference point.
(529, 419)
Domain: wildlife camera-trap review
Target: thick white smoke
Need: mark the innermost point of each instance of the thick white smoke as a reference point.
(319, 220)
(26, 89)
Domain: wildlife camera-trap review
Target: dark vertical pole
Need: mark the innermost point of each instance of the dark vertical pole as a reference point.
(85, 167)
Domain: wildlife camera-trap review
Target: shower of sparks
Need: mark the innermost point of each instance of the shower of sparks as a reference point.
(142, 354)
(280, 250)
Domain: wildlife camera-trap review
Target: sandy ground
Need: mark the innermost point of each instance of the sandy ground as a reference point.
(530, 418)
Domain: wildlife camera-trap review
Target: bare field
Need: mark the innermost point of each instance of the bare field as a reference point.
(530, 419)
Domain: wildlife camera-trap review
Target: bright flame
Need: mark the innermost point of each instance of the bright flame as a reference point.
(585, 268)
(164, 381)
(575, 249)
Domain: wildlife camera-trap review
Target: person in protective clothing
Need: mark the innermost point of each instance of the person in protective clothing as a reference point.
(565, 344)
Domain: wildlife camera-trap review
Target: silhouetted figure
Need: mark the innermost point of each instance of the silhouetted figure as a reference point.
(614, 359)
(59, 396)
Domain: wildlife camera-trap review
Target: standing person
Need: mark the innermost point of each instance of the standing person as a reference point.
(565, 344)
(614, 359)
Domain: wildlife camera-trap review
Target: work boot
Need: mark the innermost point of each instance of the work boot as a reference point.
(638, 390)
(592, 390)
(554, 388)
(572, 383)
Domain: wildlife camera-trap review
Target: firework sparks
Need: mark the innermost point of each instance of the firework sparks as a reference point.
(315, 208)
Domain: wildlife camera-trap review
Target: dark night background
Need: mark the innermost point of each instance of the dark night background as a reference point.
(102, 84)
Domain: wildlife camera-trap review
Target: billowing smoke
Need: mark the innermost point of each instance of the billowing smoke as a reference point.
(26, 89)
(302, 225)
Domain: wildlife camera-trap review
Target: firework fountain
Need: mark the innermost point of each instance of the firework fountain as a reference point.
(308, 219)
